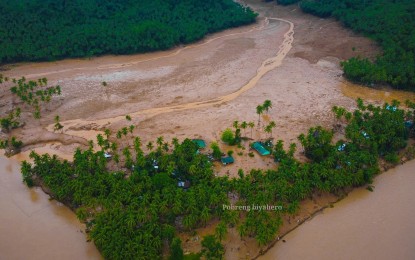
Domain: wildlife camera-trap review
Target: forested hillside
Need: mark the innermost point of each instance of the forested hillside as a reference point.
(34, 30)
(390, 22)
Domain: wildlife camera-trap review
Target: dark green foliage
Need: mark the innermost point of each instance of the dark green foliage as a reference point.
(390, 23)
(4, 144)
(27, 174)
(176, 249)
(136, 214)
(11, 121)
(319, 8)
(12, 145)
(216, 152)
(379, 129)
(37, 30)
(16, 144)
(212, 248)
(287, 2)
(317, 144)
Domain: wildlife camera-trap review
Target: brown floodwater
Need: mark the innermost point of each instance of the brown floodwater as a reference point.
(375, 94)
(365, 225)
(32, 226)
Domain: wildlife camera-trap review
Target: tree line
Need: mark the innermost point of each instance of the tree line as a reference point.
(137, 210)
(389, 22)
(39, 30)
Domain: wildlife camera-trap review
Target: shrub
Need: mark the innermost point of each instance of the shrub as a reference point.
(228, 136)
(216, 152)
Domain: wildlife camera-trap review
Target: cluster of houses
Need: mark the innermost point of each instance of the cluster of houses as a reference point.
(226, 160)
(257, 146)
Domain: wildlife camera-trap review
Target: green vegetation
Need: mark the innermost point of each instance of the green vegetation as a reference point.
(390, 23)
(29, 95)
(232, 138)
(317, 144)
(134, 211)
(11, 121)
(176, 249)
(34, 94)
(11, 146)
(34, 30)
(217, 153)
(58, 126)
(212, 248)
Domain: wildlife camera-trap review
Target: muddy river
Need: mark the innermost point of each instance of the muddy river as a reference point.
(365, 225)
(32, 226)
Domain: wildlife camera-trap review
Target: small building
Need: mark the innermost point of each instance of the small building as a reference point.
(341, 147)
(107, 155)
(227, 160)
(201, 144)
(365, 135)
(391, 108)
(184, 184)
(260, 148)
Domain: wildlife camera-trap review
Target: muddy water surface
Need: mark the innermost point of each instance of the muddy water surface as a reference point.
(32, 227)
(365, 225)
(375, 94)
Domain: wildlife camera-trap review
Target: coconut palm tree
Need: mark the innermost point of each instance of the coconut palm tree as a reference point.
(150, 146)
(272, 125)
(244, 125)
(259, 111)
(221, 230)
(267, 105)
(267, 129)
(160, 141)
(251, 125)
(124, 131)
(236, 124)
(107, 133)
(175, 142)
(131, 128)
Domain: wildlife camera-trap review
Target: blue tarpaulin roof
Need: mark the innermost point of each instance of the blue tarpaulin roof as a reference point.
(260, 148)
(201, 143)
(227, 160)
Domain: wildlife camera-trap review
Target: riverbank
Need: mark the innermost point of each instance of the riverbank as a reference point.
(377, 225)
(35, 227)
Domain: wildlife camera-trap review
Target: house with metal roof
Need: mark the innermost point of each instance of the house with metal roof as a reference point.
(259, 147)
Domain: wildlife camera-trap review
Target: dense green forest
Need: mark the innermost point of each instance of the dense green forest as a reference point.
(137, 211)
(33, 30)
(389, 22)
